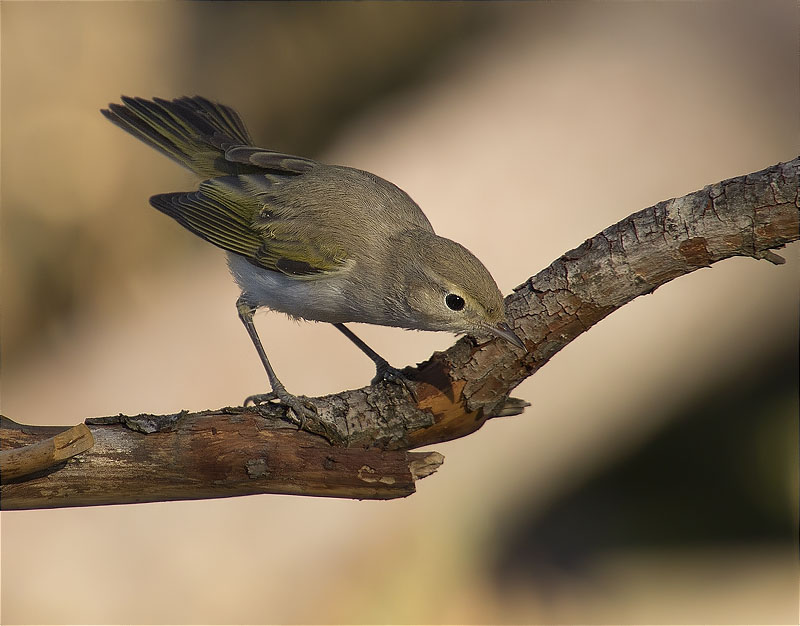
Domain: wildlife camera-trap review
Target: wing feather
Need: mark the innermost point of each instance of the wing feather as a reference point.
(226, 213)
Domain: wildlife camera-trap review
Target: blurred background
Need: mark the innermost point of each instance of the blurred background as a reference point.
(655, 487)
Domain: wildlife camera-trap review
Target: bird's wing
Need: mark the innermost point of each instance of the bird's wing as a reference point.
(232, 213)
(269, 159)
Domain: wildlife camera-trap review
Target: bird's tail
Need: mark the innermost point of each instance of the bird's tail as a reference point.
(194, 132)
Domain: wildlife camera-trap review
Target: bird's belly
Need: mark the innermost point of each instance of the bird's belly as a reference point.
(319, 299)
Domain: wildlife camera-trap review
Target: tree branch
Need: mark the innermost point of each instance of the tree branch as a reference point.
(39, 456)
(207, 455)
(357, 447)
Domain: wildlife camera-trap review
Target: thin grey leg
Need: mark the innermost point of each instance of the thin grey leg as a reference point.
(384, 371)
(300, 408)
(246, 312)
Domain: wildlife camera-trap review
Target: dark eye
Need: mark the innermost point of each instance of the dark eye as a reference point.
(454, 302)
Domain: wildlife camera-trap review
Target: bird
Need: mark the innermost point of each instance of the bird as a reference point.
(317, 242)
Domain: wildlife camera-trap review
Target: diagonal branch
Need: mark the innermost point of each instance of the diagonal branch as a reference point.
(358, 445)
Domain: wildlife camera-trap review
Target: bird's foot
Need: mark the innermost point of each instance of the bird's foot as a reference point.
(388, 373)
(385, 372)
(299, 408)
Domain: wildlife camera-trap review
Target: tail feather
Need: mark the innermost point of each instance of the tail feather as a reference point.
(220, 117)
(194, 132)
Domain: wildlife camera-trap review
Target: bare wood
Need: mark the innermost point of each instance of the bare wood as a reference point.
(41, 455)
(183, 456)
(454, 392)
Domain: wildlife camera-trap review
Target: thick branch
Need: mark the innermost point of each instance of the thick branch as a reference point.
(461, 388)
(236, 451)
(206, 455)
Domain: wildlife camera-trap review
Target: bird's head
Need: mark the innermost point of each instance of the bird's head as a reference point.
(448, 288)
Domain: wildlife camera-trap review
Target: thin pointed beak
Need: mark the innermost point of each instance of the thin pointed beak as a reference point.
(504, 330)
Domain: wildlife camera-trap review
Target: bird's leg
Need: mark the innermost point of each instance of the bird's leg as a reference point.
(301, 409)
(384, 371)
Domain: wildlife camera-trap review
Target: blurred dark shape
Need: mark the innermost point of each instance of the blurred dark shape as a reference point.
(306, 68)
(721, 474)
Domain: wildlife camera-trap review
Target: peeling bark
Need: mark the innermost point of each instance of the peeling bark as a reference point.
(207, 455)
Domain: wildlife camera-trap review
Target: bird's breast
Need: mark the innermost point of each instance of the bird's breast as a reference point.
(322, 299)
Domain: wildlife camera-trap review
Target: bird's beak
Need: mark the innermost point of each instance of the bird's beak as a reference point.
(504, 330)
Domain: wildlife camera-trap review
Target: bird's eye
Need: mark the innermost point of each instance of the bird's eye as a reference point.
(454, 302)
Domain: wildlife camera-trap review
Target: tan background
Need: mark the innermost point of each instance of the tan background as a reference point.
(521, 130)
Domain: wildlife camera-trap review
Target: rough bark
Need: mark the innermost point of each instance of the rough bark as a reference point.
(235, 451)
(206, 455)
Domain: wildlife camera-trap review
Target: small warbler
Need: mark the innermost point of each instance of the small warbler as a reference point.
(317, 242)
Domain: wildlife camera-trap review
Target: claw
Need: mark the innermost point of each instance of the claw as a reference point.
(299, 409)
(386, 372)
(260, 398)
(302, 409)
